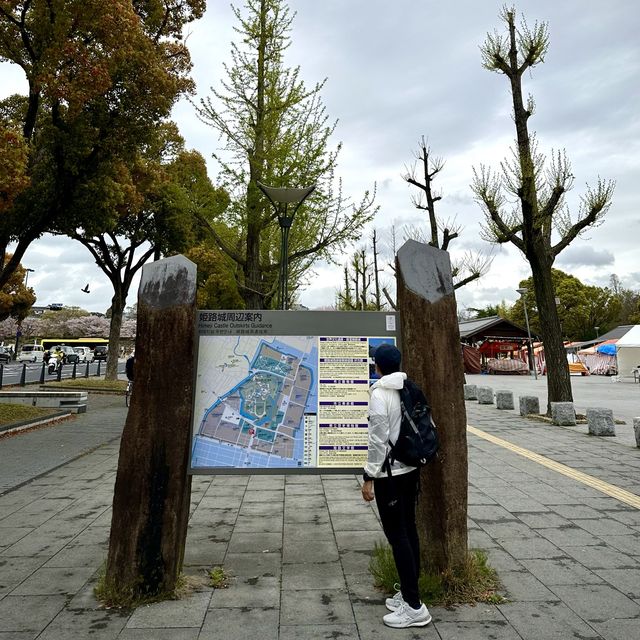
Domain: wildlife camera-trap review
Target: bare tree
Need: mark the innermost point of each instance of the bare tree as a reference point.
(392, 250)
(361, 274)
(376, 270)
(441, 232)
(539, 189)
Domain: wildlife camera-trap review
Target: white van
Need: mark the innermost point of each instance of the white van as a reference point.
(31, 353)
(84, 354)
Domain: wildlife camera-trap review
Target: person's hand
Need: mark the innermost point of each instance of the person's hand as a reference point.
(367, 491)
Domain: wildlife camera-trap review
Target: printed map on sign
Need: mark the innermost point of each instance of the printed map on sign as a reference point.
(252, 394)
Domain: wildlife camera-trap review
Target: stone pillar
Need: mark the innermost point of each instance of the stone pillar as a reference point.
(563, 414)
(600, 422)
(470, 392)
(431, 357)
(504, 399)
(152, 491)
(529, 405)
(485, 395)
(636, 430)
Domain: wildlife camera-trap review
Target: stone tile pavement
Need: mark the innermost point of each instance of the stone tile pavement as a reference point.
(298, 547)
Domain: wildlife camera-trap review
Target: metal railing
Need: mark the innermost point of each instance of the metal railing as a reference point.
(14, 375)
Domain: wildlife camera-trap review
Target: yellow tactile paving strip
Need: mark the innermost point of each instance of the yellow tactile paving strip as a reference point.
(609, 489)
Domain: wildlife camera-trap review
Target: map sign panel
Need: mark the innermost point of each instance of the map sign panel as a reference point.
(269, 400)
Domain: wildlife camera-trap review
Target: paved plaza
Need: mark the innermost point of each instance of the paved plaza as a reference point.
(557, 511)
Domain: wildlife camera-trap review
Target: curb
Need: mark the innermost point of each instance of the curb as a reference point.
(20, 425)
(97, 390)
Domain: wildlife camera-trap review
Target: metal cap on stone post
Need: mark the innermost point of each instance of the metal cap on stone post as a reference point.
(432, 357)
(152, 492)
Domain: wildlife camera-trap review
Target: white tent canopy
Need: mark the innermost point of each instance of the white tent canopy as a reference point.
(628, 352)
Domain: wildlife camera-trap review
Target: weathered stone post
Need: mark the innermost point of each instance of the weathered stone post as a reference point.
(152, 491)
(432, 357)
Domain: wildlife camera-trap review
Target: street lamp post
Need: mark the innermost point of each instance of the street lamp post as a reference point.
(281, 198)
(597, 332)
(522, 291)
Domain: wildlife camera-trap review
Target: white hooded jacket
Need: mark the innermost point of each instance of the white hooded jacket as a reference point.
(384, 424)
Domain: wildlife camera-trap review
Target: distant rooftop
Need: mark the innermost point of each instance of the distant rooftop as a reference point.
(493, 326)
(614, 334)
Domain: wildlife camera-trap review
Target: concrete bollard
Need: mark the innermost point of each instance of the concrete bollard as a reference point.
(529, 405)
(601, 422)
(485, 395)
(504, 399)
(563, 414)
(470, 392)
(636, 430)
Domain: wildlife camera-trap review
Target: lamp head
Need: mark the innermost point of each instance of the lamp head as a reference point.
(286, 195)
(522, 291)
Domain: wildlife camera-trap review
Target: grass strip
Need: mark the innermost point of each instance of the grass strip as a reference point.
(475, 582)
(90, 384)
(19, 412)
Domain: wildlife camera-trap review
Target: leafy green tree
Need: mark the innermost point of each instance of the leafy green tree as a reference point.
(275, 131)
(217, 277)
(629, 301)
(13, 165)
(539, 188)
(501, 309)
(164, 192)
(99, 75)
(16, 299)
(581, 307)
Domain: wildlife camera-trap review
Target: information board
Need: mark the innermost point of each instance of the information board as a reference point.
(284, 391)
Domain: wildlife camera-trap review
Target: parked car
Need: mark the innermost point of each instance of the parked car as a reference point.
(69, 356)
(84, 354)
(31, 353)
(5, 355)
(100, 352)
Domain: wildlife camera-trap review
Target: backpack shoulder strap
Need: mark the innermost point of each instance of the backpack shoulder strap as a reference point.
(414, 393)
(406, 396)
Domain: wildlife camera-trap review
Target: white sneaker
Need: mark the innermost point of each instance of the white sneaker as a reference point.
(393, 603)
(405, 616)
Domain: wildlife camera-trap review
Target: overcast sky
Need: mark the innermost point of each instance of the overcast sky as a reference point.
(403, 69)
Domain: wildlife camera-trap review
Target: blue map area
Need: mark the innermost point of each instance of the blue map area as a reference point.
(259, 423)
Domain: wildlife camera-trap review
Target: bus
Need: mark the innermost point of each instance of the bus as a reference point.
(47, 343)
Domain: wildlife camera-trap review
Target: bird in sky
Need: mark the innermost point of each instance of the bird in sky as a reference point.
(86, 289)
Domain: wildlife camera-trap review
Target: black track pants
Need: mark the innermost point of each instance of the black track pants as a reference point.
(396, 500)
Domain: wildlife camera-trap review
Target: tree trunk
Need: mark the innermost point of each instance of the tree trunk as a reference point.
(117, 310)
(558, 378)
(253, 293)
(432, 358)
(376, 272)
(152, 491)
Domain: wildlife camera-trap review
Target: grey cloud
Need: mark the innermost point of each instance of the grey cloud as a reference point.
(580, 255)
(399, 70)
(631, 281)
(479, 297)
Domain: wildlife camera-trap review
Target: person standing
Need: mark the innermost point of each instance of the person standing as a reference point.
(395, 490)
